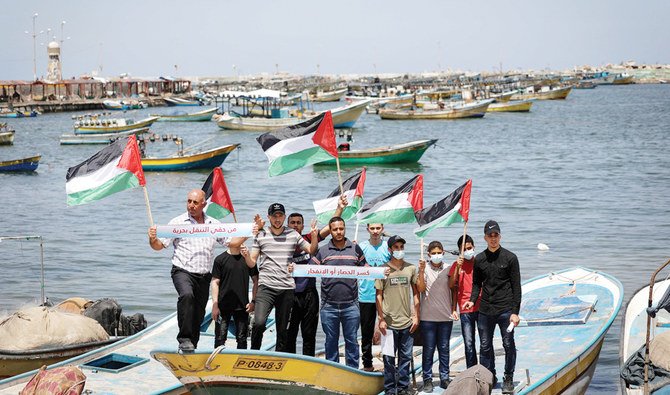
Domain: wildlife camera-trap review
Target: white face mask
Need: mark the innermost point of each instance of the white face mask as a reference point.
(436, 258)
(468, 254)
(399, 254)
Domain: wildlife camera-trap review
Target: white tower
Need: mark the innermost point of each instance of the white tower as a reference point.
(54, 71)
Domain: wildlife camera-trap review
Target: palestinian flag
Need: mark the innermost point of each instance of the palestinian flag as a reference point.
(396, 206)
(300, 145)
(117, 167)
(453, 208)
(218, 200)
(353, 190)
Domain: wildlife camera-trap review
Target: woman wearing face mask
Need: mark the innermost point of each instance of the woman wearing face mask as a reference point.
(438, 314)
(460, 281)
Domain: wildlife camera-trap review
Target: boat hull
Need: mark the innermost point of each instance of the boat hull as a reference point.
(249, 371)
(111, 129)
(174, 102)
(204, 160)
(199, 116)
(554, 94)
(466, 111)
(97, 138)
(18, 165)
(511, 106)
(18, 114)
(14, 363)
(401, 153)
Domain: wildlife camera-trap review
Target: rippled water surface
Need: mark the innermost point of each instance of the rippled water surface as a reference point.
(588, 176)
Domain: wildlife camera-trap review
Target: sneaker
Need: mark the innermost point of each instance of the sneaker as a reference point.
(444, 384)
(405, 391)
(427, 386)
(368, 369)
(508, 384)
(186, 346)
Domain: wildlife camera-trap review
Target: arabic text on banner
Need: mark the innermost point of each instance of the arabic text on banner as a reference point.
(338, 271)
(205, 230)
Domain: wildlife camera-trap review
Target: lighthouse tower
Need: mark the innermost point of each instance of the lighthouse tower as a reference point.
(54, 71)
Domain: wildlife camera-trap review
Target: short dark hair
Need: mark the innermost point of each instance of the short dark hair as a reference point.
(297, 215)
(435, 244)
(468, 239)
(368, 224)
(336, 219)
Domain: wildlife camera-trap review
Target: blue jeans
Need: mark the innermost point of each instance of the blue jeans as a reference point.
(402, 344)
(349, 316)
(468, 323)
(435, 334)
(487, 325)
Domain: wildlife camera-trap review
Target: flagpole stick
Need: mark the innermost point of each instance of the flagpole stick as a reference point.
(462, 246)
(339, 174)
(356, 232)
(421, 244)
(234, 217)
(146, 200)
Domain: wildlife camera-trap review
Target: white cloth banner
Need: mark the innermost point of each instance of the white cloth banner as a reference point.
(338, 271)
(205, 230)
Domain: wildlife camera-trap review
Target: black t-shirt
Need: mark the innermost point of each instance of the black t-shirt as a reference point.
(234, 274)
(497, 275)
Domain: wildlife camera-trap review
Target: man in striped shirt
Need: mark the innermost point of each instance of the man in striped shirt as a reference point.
(192, 261)
(339, 296)
(272, 252)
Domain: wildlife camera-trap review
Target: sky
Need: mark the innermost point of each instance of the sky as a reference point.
(148, 38)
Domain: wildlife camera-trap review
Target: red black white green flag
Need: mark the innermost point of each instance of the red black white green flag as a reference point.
(396, 206)
(453, 208)
(353, 189)
(116, 168)
(219, 203)
(296, 146)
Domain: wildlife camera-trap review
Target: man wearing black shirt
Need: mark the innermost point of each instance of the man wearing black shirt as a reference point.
(230, 294)
(496, 274)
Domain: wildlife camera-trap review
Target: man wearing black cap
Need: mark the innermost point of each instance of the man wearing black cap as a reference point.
(396, 317)
(496, 273)
(272, 252)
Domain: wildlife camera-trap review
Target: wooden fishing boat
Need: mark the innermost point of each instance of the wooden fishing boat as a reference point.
(23, 164)
(6, 134)
(19, 114)
(203, 160)
(399, 153)
(502, 97)
(177, 101)
(204, 115)
(475, 109)
(511, 106)
(635, 326)
(334, 95)
(123, 105)
(544, 93)
(564, 318)
(250, 371)
(343, 117)
(98, 138)
(92, 125)
(126, 366)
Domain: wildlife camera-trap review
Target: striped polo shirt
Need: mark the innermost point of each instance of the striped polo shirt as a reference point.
(275, 252)
(339, 290)
(193, 254)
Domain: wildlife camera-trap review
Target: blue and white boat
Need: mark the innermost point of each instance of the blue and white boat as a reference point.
(564, 318)
(126, 367)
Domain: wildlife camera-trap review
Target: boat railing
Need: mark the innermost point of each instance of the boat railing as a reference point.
(649, 319)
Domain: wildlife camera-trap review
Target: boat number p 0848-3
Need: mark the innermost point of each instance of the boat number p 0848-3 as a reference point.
(274, 365)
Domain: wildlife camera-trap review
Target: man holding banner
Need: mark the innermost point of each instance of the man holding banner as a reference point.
(192, 261)
(339, 296)
(272, 252)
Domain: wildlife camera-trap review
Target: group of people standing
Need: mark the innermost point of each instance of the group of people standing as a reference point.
(481, 290)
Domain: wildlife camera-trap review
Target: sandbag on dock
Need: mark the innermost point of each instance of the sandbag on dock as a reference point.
(41, 327)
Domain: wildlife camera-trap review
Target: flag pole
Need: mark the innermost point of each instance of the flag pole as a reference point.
(146, 200)
(356, 232)
(234, 217)
(462, 246)
(421, 246)
(339, 174)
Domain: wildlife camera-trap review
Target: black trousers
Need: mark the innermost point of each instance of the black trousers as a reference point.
(241, 320)
(193, 291)
(304, 317)
(266, 299)
(368, 317)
